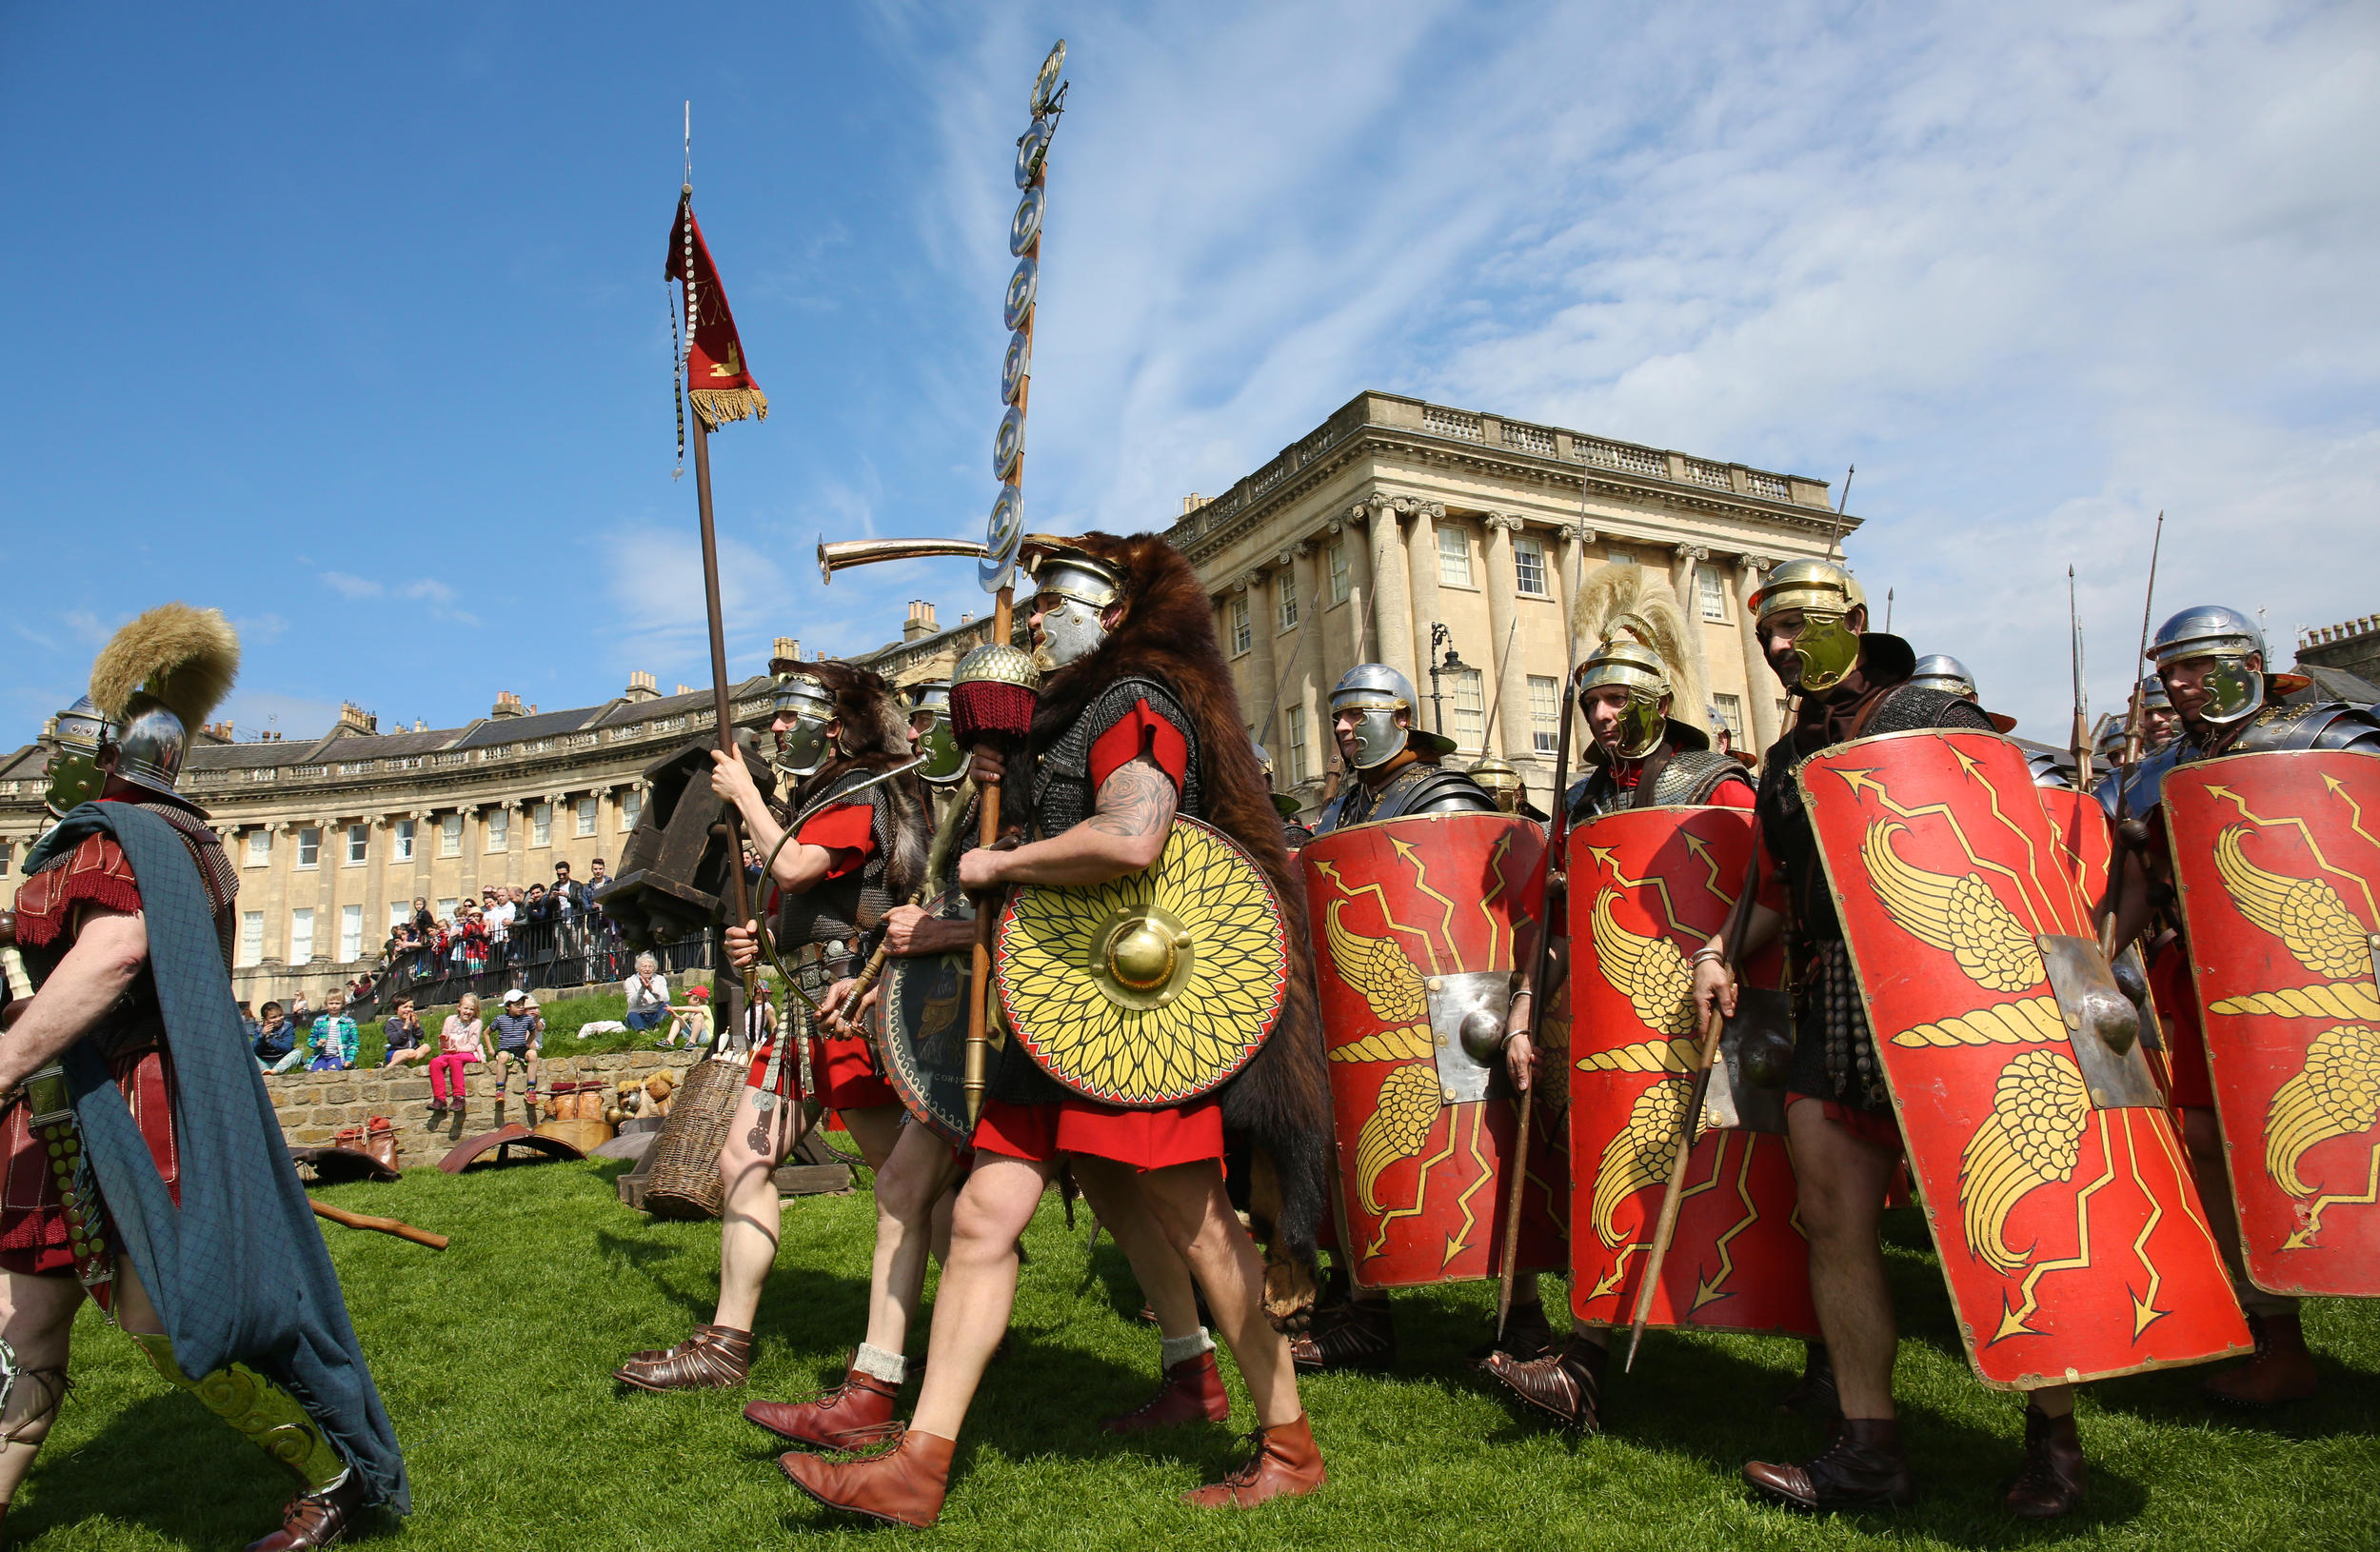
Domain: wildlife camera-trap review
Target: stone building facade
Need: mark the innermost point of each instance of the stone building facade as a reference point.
(2351, 647)
(1397, 529)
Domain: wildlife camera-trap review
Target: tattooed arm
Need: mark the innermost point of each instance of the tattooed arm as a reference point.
(1135, 814)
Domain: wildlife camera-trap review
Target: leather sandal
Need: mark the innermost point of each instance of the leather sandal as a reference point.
(1526, 1335)
(1565, 1385)
(316, 1518)
(1864, 1468)
(715, 1357)
(1358, 1334)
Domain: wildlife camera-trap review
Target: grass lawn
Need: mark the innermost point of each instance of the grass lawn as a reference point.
(494, 1359)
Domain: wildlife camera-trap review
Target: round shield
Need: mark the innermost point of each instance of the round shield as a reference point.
(1005, 526)
(1030, 150)
(1018, 304)
(926, 1030)
(1150, 989)
(1046, 81)
(1014, 367)
(1026, 229)
(1009, 443)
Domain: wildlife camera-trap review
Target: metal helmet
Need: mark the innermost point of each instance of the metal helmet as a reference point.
(151, 745)
(2234, 690)
(1637, 668)
(1939, 670)
(803, 699)
(1502, 782)
(1825, 592)
(945, 761)
(1376, 693)
(2152, 694)
(1071, 592)
(76, 736)
(1264, 760)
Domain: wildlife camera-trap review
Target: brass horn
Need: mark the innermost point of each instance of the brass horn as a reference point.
(844, 553)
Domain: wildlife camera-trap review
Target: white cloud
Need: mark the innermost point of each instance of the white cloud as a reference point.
(658, 620)
(351, 587)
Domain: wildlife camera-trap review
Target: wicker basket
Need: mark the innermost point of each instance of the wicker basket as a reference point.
(683, 1173)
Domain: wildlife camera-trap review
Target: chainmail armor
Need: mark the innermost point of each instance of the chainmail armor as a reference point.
(842, 909)
(1419, 787)
(1688, 780)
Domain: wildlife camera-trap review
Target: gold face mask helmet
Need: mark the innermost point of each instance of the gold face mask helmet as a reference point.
(1825, 593)
(805, 702)
(1501, 781)
(1625, 664)
(74, 774)
(2234, 690)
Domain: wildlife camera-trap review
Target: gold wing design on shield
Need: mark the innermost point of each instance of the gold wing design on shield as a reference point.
(1396, 1129)
(1644, 1056)
(1640, 1153)
(1956, 912)
(2337, 1095)
(2306, 914)
(2033, 1136)
(1650, 972)
(1381, 971)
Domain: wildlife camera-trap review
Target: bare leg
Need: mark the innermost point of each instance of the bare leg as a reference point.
(1842, 1182)
(1190, 1207)
(37, 1318)
(1164, 1277)
(912, 1193)
(756, 1144)
(978, 1287)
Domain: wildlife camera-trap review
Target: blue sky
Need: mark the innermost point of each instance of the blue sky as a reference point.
(349, 319)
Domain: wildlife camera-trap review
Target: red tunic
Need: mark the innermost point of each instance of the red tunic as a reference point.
(842, 1066)
(1144, 1139)
(34, 1236)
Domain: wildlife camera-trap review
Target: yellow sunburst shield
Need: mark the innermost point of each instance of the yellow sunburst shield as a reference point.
(1151, 989)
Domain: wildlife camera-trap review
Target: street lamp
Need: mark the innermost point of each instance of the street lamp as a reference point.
(1452, 663)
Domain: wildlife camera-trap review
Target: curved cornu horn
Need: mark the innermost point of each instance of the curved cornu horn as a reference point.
(842, 555)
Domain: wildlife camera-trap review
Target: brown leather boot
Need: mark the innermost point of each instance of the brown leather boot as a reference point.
(2054, 1472)
(2282, 1370)
(1864, 1468)
(1358, 1334)
(1285, 1464)
(1526, 1335)
(715, 1357)
(1192, 1392)
(1567, 1385)
(855, 1415)
(1814, 1395)
(316, 1518)
(904, 1485)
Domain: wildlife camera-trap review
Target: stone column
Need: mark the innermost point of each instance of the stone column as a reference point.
(1421, 566)
(1309, 571)
(1760, 686)
(1359, 589)
(1576, 537)
(1682, 582)
(1510, 736)
(1262, 622)
(1392, 597)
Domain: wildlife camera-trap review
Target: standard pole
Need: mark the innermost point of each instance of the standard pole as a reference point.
(739, 896)
(978, 1069)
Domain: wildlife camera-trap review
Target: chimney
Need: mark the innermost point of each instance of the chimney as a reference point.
(354, 719)
(1191, 503)
(967, 618)
(508, 705)
(921, 621)
(420, 725)
(788, 648)
(683, 689)
(639, 686)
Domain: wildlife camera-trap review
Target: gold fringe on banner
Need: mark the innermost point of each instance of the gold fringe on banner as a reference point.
(719, 405)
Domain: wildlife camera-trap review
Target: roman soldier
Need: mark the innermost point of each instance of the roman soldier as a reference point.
(1137, 722)
(1641, 756)
(1502, 780)
(1395, 765)
(2215, 682)
(857, 850)
(143, 1161)
(1851, 682)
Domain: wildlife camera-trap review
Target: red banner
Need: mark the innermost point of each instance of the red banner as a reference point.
(717, 379)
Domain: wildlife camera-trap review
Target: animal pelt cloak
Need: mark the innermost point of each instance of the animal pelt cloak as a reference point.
(1281, 1098)
(873, 736)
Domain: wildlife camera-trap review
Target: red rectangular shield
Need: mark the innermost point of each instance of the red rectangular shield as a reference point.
(2071, 1237)
(2277, 856)
(1647, 887)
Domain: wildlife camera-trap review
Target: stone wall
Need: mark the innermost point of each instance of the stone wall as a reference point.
(314, 1105)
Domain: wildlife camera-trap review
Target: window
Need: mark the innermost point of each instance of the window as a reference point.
(1240, 637)
(631, 809)
(1299, 768)
(1731, 712)
(401, 846)
(400, 911)
(8, 856)
(1529, 564)
(1621, 557)
(1287, 586)
(309, 847)
(359, 843)
(1707, 588)
(451, 835)
(499, 830)
(1545, 712)
(446, 909)
(1454, 557)
(259, 847)
(541, 824)
(351, 933)
(1470, 708)
(587, 816)
(301, 934)
(251, 937)
(1338, 570)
